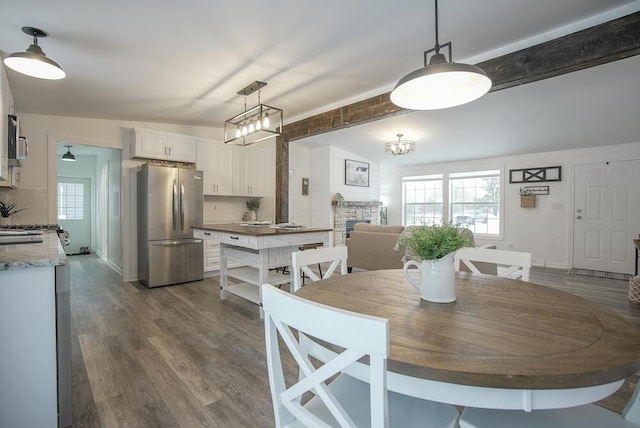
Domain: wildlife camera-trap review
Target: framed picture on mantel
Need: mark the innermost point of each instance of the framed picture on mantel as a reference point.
(356, 173)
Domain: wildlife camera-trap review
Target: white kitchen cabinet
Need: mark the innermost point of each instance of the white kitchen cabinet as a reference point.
(150, 144)
(215, 160)
(28, 385)
(248, 171)
(11, 178)
(211, 252)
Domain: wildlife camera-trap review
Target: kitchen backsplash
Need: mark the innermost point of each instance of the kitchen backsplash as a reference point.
(34, 200)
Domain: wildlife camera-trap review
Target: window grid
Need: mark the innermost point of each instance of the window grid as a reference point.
(423, 202)
(473, 200)
(70, 201)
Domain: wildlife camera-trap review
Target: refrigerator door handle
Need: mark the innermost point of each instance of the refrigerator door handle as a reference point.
(176, 242)
(182, 196)
(175, 205)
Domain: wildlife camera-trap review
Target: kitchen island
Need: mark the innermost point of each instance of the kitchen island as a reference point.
(258, 248)
(35, 350)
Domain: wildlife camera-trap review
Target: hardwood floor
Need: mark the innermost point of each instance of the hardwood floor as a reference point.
(178, 356)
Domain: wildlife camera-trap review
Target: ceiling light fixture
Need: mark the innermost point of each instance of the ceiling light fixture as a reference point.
(34, 62)
(253, 125)
(69, 157)
(441, 83)
(400, 147)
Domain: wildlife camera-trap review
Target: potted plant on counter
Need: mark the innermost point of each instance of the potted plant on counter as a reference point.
(8, 210)
(252, 206)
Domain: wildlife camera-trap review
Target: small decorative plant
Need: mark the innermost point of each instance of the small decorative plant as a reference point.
(8, 209)
(253, 204)
(434, 242)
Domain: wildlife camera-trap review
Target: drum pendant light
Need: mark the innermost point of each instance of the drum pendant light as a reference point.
(440, 83)
(34, 62)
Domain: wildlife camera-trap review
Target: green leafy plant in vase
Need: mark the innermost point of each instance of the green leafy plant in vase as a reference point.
(431, 250)
(8, 210)
(252, 206)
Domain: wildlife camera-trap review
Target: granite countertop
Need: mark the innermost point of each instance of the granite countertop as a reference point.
(258, 230)
(49, 252)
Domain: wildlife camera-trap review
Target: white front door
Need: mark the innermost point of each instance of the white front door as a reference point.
(74, 211)
(606, 216)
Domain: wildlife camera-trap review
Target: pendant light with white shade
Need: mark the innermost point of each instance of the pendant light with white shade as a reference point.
(440, 83)
(34, 62)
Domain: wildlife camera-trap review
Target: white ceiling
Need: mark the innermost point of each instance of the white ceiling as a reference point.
(183, 62)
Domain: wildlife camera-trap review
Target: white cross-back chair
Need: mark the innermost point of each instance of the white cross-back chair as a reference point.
(301, 260)
(345, 401)
(586, 416)
(518, 264)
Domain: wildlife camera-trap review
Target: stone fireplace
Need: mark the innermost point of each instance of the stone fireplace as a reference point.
(353, 211)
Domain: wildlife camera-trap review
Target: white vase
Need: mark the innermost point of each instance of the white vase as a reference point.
(253, 215)
(437, 279)
(5, 221)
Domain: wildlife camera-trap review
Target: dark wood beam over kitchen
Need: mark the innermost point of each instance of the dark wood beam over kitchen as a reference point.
(607, 42)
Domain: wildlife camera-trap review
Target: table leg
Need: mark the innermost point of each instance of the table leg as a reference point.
(263, 273)
(223, 273)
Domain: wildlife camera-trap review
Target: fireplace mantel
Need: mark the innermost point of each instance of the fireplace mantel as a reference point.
(356, 203)
(353, 210)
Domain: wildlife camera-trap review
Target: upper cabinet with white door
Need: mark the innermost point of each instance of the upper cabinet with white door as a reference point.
(248, 171)
(150, 144)
(215, 161)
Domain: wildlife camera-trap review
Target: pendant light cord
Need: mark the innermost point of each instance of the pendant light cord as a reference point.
(437, 43)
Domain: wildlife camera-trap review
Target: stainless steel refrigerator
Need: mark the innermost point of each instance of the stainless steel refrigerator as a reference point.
(169, 203)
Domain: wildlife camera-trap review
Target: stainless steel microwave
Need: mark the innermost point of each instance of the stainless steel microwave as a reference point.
(17, 146)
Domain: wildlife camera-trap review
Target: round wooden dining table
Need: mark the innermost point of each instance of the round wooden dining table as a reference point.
(503, 343)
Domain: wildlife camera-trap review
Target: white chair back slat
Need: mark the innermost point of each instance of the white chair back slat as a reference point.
(302, 260)
(358, 334)
(518, 264)
(631, 411)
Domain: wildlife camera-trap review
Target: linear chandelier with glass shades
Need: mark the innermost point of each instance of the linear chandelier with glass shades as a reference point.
(399, 146)
(256, 124)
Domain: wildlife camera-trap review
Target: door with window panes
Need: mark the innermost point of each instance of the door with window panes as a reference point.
(74, 211)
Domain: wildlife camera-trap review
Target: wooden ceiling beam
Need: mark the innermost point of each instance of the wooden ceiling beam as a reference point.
(607, 42)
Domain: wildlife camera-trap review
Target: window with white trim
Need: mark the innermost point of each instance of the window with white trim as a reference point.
(70, 201)
(475, 201)
(423, 200)
(472, 200)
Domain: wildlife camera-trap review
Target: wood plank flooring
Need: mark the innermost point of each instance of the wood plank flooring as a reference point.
(178, 356)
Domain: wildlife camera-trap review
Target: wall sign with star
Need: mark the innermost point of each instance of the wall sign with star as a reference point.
(535, 175)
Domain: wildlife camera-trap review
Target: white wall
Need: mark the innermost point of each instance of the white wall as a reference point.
(39, 172)
(300, 166)
(546, 230)
(325, 166)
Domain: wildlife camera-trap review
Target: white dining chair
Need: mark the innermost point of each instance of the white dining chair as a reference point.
(301, 260)
(590, 415)
(518, 264)
(338, 399)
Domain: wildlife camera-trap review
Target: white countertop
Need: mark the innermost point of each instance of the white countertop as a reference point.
(23, 256)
